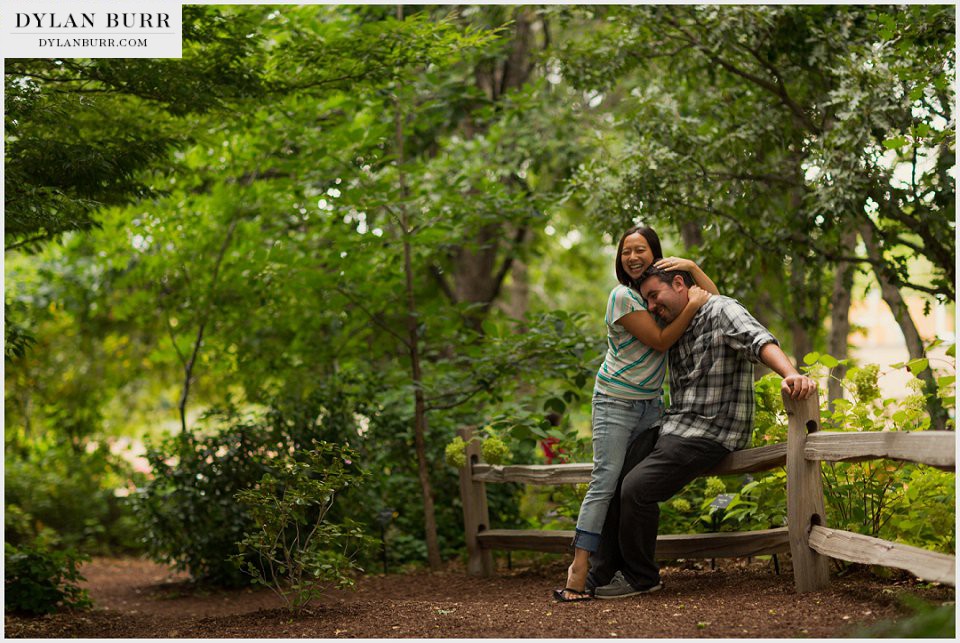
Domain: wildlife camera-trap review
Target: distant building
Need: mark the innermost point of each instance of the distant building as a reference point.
(877, 338)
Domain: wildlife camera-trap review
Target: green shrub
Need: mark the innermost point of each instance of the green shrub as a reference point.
(494, 450)
(353, 410)
(190, 516)
(40, 580)
(72, 492)
(298, 551)
(455, 452)
(189, 511)
(891, 500)
(925, 515)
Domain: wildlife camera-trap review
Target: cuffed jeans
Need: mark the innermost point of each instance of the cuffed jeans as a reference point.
(656, 468)
(616, 423)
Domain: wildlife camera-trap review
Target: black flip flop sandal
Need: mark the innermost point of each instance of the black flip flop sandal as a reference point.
(558, 595)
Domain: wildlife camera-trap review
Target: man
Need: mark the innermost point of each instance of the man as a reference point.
(710, 415)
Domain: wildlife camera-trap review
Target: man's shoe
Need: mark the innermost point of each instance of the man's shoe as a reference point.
(620, 588)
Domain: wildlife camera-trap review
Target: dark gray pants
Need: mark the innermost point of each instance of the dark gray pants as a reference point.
(656, 468)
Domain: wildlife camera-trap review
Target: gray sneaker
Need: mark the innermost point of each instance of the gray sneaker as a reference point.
(620, 588)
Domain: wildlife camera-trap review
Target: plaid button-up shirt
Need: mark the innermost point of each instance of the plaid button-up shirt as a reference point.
(711, 375)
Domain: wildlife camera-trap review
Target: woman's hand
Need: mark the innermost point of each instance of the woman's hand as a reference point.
(675, 263)
(687, 265)
(698, 296)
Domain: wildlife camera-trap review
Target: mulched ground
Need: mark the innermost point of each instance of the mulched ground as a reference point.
(140, 599)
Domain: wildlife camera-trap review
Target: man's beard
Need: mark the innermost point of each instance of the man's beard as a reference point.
(662, 321)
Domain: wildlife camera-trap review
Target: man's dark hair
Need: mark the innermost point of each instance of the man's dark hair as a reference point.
(653, 241)
(666, 276)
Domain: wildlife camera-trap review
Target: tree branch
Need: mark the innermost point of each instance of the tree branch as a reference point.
(26, 242)
(188, 367)
(374, 318)
(501, 275)
(777, 89)
(442, 282)
(758, 178)
(464, 396)
(173, 339)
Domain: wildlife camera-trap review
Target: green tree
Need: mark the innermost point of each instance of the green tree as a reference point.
(786, 129)
(267, 256)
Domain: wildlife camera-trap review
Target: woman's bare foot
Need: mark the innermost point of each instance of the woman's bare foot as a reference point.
(575, 588)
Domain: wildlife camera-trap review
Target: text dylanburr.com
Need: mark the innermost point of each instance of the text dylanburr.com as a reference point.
(94, 29)
(92, 42)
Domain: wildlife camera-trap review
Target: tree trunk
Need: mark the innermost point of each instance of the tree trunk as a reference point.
(802, 343)
(189, 364)
(840, 319)
(518, 294)
(420, 416)
(413, 347)
(891, 295)
(480, 265)
(475, 271)
(804, 306)
(692, 235)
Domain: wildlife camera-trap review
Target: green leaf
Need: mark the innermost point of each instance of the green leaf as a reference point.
(750, 486)
(895, 143)
(540, 433)
(829, 361)
(555, 404)
(811, 358)
(921, 130)
(952, 351)
(918, 365)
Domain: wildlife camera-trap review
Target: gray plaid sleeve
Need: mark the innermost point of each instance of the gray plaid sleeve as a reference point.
(743, 333)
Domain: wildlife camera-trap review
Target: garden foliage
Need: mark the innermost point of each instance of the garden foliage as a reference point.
(298, 551)
(188, 509)
(39, 579)
(72, 494)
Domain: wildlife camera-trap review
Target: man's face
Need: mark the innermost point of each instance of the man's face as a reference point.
(665, 300)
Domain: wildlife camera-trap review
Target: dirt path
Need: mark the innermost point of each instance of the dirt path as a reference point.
(139, 599)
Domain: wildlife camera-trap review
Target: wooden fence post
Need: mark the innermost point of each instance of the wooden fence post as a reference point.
(476, 516)
(805, 506)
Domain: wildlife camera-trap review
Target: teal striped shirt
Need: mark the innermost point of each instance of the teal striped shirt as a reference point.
(631, 370)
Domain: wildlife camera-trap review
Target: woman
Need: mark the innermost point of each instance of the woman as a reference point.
(629, 384)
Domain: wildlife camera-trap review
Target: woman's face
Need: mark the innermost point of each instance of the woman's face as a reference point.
(636, 255)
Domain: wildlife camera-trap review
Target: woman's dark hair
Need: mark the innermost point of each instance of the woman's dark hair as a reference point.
(652, 240)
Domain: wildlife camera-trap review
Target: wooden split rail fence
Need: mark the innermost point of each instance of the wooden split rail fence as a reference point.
(806, 536)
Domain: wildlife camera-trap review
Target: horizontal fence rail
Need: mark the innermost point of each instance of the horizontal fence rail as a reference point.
(934, 448)
(810, 542)
(716, 545)
(746, 461)
(857, 548)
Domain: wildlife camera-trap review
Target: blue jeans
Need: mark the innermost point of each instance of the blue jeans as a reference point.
(616, 423)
